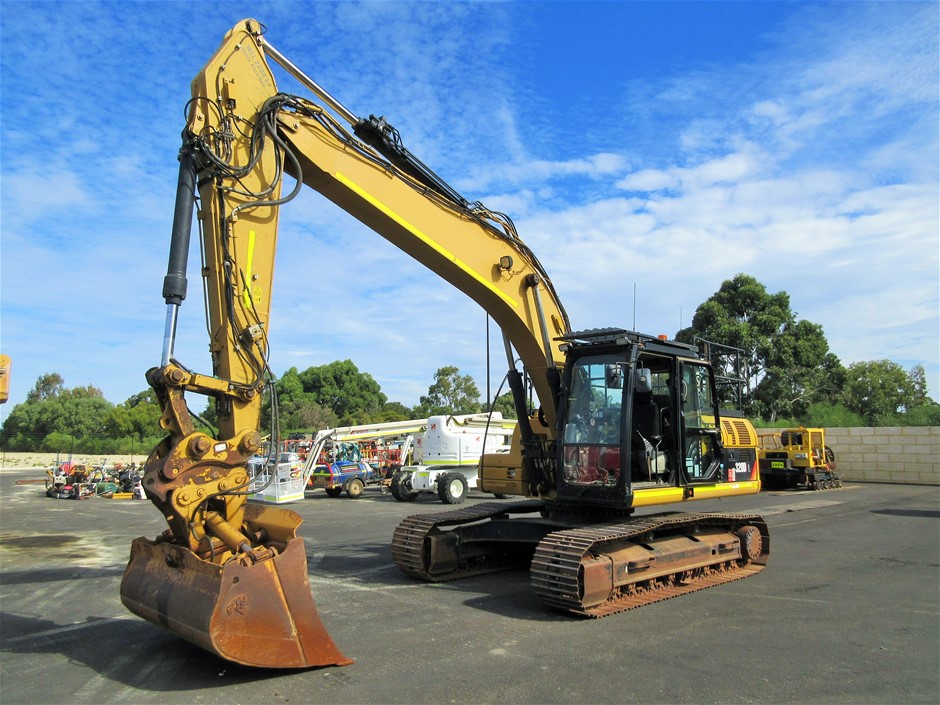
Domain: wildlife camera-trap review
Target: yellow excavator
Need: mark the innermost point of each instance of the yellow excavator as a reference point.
(624, 421)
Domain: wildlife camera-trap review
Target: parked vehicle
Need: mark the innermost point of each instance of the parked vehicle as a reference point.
(622, 420)
(344, 470)
(277, 478)
(447, 456)
(797, 457)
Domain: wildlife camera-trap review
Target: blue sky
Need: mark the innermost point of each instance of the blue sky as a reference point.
(664, 147)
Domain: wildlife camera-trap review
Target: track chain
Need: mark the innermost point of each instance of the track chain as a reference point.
(835, 482)
(408, 539)
(555, 569)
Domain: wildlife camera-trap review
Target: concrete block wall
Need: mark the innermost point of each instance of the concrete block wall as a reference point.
(901, 454)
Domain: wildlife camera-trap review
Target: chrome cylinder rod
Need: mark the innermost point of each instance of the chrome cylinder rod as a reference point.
(169, 333)
(312, 85)
(533, 280)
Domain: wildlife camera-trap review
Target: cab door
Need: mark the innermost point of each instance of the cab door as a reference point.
(701, 443)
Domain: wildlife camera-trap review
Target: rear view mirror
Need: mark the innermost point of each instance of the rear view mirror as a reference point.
(642, 381)
(614, 375)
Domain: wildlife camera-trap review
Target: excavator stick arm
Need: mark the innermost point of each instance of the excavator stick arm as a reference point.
(226, 575)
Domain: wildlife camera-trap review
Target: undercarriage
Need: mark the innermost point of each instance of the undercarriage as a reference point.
(592, 570)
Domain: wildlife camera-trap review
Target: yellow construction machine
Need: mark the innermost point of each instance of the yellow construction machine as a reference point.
(625, 420)
(797, 457)
(5, 366)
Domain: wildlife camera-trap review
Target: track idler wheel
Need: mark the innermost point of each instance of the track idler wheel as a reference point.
(752, 543)
(256, 614)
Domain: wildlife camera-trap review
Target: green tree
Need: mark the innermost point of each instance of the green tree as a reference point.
(137, 417)
(210, 415)
(799, 371)
(505, 405)
(919, 379)
(354, 397)
(57, 442)
(46, 387)
(21, 430)
(785, 363)
(49, 408)
(927, 414)
(297, 408)
(81, 412)
(828, 415)
(451, 393)
(393, 411)
(879, 390)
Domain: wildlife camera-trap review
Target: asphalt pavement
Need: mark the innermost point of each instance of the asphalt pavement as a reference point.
(847, 611)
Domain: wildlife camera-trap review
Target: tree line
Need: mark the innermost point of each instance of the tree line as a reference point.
(338, 394)
(57, 419)
(787, 374)
(784, 375)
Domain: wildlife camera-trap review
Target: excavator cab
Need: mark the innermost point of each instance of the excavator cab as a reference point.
(637, 426)
(638, 413)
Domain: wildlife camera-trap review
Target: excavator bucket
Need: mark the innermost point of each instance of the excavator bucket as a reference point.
(260, 614)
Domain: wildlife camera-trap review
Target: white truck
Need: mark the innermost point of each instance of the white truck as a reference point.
(448, 453)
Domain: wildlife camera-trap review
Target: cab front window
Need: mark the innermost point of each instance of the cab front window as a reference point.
(593, 422)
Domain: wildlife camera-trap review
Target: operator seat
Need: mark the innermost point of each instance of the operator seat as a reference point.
(647, 434)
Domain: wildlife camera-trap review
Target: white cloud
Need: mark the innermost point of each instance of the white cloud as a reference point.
(28, 194)
(526, 171)
(650, 180)
(812, 166)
